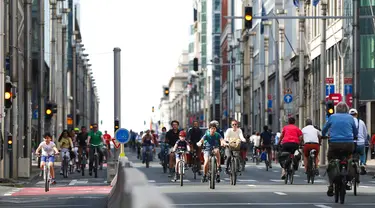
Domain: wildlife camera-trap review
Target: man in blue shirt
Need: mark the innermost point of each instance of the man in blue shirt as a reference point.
(343, 132)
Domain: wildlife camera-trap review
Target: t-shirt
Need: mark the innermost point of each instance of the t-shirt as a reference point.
(231, 134)
(172, 137)
(310, 134)
(147, 138)
(291, 134)
(211, 140)
(107, 138)
(47, 149)
(96, 137)
(82, 139)
(182, 145)
(256, 140)
(266, 137)
(65, 142)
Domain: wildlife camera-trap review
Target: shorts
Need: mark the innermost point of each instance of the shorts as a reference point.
(266, 147)
(178, 155)
(207, 153)
(310, 146)
(51, 158)
(335, 150)
(290, 147)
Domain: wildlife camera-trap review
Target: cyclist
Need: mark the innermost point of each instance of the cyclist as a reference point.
(82, 144)
(182, 145)
(95, 137)
(362, 137)
(147, 142)
(218, 130)
(311, 140)
(108, 139)
(66, 145)
(214, 140)
(194, 135)
(171, 138)
(290, 139)
(233, 134)
(48, 150)
(266, 141)
(343, 132)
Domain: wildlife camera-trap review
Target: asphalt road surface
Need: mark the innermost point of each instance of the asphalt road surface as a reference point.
(255, 187)
(74, 191)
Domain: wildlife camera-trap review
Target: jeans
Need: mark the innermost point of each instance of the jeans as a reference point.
(360, 149)
(144, 149)
(91, 156)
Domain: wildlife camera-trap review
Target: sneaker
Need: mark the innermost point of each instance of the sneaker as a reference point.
(330, 191)
(204, 178)
(218, 178)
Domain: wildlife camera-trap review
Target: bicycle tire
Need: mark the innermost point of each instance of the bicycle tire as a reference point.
(342, 193)
(46, 176)
(165, 163)
(337, 192)
(147, 159)
(181, 164)
(96, 166)
(234, 171)
(65, 167)
(213, 172)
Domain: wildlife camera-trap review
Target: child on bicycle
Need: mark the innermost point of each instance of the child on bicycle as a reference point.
(48, 151)
(214, 140)
(66, 145)
(181, 145)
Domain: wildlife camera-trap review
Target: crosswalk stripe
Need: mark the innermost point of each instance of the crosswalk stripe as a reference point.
(73, 182)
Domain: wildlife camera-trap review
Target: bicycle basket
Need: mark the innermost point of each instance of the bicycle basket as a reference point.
(235, 144)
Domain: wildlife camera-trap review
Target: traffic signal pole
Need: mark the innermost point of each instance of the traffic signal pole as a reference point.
(301, 56)
(2, 81)
(323, 74)
(117, 93)
(13, 27)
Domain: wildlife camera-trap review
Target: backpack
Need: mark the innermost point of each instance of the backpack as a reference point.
(234, 144)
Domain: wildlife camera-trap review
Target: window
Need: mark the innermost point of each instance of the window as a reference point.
(204, 28)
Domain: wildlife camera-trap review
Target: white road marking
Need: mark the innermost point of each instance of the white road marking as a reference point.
(319, 181)
(280, 193)
(73, 182)
(151, 181)
(277, 180)
(82, 182)
(251, 185)
(322, 206)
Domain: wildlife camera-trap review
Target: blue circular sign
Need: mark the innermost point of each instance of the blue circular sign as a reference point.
(122, 136)
(288, 98)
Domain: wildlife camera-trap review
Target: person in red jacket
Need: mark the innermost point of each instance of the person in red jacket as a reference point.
(107, 137)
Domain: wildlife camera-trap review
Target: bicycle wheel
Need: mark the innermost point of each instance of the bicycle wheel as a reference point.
(147, 159)
(213, 172)
(96, 161)
(313, 170)
(46, 176)
(181, 168)
(65, 167)
(342, 192)
(234, 171)
(337, 192)
(165, 163)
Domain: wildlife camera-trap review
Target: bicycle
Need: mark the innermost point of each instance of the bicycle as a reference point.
(164, 156)
(340, 181)
(181, 165)
(46, 174)
(311, 167)
(96, 159)
(147, 156)
(65, 165)
(83, 161)
(196, 163)
(355, 179)
(234, 167)
(289, 169)
(212, 168)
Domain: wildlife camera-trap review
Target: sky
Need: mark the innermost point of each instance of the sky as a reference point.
(151, 35)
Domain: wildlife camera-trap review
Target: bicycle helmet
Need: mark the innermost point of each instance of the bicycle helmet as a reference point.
(214, 122)
(182, 134)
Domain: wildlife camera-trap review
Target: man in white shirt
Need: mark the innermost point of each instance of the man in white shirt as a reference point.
(362, 136)
(311, 138)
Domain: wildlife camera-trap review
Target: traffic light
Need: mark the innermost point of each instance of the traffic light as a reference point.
(8, 96)
(153, 109)
(117, 125)
(10, 143)
(248, 17)
(49, 110)
(330, 108)
(166, 91)
(195, 64)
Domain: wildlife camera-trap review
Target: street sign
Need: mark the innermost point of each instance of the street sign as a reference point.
(122, 136)
(349, 99)
(288, 91)
(329, 80)
(348, 80)
(330, 89)
(35, 114)
(336, 97)
(288, 98)
(114, 144)
(348, 89)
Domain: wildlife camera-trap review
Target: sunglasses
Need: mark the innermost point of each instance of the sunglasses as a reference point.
(234, 124)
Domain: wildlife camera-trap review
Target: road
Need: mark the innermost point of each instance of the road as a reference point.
(255, 187)
(74, 191)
